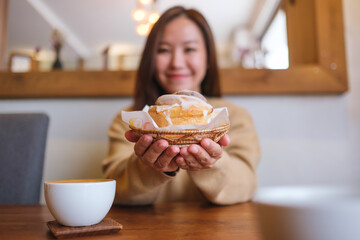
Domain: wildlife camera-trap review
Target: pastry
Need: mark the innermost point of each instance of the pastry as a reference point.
(181, 108)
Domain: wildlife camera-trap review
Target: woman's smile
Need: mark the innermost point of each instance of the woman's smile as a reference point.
(178, 76)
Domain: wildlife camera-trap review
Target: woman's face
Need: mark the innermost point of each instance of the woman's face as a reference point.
(181, 59)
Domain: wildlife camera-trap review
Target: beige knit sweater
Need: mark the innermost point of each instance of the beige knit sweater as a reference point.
(231, 180)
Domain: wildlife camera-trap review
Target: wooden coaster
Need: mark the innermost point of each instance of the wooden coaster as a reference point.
(106, 226)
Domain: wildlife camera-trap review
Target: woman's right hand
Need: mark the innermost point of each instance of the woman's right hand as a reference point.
(158, 155)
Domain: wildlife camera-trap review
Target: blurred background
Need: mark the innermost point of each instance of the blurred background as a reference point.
(305, 139)
(109, 34)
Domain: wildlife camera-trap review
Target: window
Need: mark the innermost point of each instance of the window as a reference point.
(274, 43)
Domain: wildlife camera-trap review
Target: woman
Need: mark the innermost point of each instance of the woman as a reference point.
(180, 54)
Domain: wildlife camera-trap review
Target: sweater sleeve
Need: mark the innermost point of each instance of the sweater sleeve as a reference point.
(136, 183)
(232, 179)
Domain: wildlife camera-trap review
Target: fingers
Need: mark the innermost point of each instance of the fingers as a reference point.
(131, 136)
(142, 144)
(153, 153)
(180, 161)
(212, 148)
(224, 140)
(160, 156)
(157, 155)
(201, 156)
(164, 161)
(172, 165)
(189, 157)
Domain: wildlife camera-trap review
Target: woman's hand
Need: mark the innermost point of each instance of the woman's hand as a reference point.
(157, 155)
(205, 155)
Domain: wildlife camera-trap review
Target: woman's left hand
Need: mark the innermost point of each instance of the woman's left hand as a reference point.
(205, 155)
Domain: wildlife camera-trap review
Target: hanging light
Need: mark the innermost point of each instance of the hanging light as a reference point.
(145, 2)
(146, 15)
(143, 29)
(139, 14)
(153, 17)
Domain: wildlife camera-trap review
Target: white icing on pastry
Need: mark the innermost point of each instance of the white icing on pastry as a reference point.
(191, 93)
(205, 113)
(182, 100)
(161, 108)
(168, 119)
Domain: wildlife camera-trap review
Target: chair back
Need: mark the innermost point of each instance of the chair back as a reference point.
(22, 149)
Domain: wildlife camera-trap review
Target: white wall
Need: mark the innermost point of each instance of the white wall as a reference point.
(304, 139)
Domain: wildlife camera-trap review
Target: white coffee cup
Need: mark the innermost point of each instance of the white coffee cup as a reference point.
(80, 202)
(309, 213)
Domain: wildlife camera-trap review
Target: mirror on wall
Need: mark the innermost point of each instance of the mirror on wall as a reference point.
(108, 35)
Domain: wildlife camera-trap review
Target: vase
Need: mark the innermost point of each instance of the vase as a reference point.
(57, 65)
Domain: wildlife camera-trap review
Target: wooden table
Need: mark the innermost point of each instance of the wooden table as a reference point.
(161, 221)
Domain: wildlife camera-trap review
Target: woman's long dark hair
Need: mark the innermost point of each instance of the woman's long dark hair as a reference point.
(147, 88)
